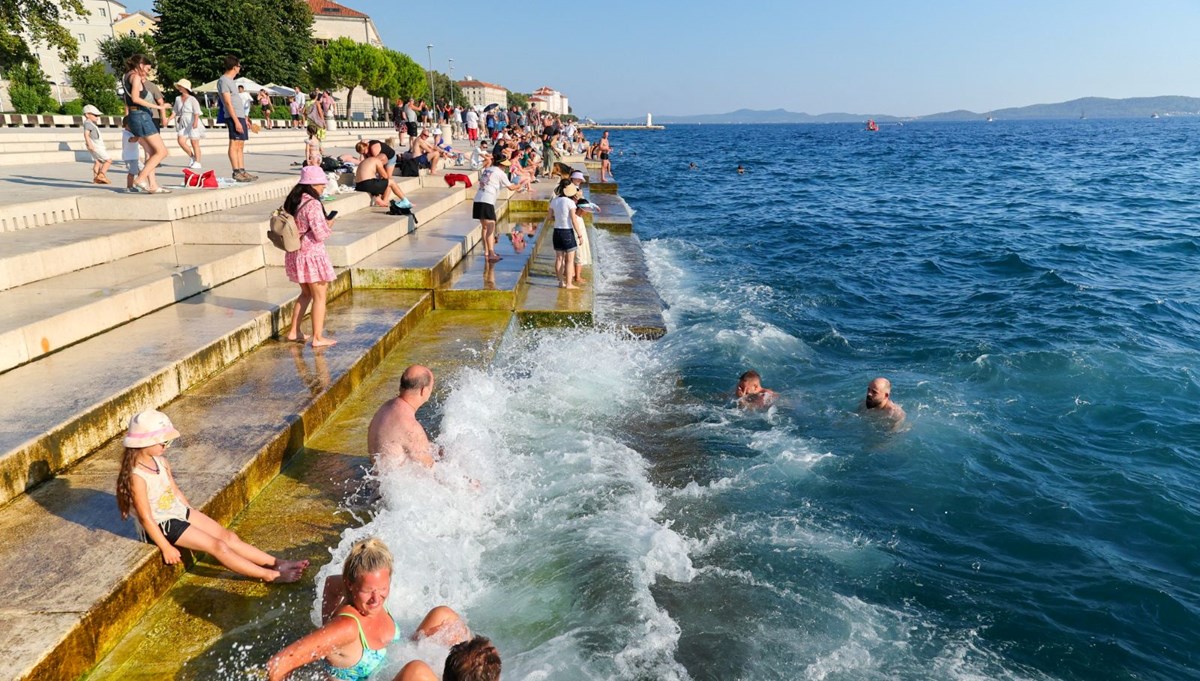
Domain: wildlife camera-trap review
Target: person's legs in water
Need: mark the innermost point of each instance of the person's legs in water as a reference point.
(319, 291)
(298, 312)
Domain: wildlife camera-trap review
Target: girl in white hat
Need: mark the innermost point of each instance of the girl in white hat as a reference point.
(188, 126)
(164, 517)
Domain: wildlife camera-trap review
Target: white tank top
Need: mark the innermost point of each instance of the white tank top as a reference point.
(164, 505)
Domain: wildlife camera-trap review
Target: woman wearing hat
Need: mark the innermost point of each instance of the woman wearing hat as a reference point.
(566, 237)
(188, 126)
(310, 266)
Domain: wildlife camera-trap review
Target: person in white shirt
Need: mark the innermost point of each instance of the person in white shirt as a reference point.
(188, 126)
(245, 100)
(491, 179)
(566, 241)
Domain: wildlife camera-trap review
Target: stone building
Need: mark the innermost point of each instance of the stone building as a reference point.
(481, 94)
(89, 30)
(547, 99)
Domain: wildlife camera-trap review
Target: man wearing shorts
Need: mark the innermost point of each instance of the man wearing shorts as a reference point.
(235, 121)
(371, 177)
(410, 118)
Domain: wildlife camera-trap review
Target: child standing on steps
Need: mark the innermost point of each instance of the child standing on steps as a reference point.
(95, 145)
(146, 488)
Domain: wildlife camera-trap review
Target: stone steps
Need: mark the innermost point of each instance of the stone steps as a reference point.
(475, 284)
(614, 212)
(425, 258)
(55, 411)
(72, 577)
(29, 255)
(248, 224)
(50, 314)
(541, 302)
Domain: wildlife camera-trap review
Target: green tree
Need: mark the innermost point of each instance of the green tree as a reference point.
(96, 86)
(41, 21)
(29, 89)
(443, 85)
(378, 72)
(410, 78)
(339, 64)
(114, 51)
(272, 38)
(518, 100)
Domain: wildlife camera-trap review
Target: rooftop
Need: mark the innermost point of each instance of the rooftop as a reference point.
(328, 8)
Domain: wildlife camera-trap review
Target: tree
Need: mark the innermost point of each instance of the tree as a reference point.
(96, 86)
(114, 51)
(29, 90)
(378, 71)
(41, 21)
(518, 100)
(341, 63)
(272, 38)
(410, 77)
(443, 86)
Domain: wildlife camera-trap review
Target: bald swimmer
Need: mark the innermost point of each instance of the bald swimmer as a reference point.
(750, 392)
(879, 402)
(394, 434)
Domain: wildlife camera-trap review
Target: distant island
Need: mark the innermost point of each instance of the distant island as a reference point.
(1087, 107)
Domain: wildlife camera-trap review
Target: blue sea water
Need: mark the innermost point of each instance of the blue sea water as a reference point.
(1029, 288)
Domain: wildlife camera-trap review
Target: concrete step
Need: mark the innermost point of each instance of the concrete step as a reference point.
(364, 232)
(628, 300)
(614, 213)
(72, 575)
(50, 314)
(248, 224)
(475, 284)
(424, 258)
(207, 616)
(29, 255)
(56, 410)
(540, 301)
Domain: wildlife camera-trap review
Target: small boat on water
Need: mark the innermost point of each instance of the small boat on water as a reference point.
(872, 125)
(990, 119)
(1154, 115)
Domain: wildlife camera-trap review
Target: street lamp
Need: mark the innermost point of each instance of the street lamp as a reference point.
(450, 96)
(432, 93)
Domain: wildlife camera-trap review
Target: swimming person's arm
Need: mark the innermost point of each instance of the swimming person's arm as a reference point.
(337, 634)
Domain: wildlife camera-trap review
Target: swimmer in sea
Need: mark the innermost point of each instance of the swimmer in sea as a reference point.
(693, 166)
(741, 170)
(750, 392)
(879, 402)
(394, 433)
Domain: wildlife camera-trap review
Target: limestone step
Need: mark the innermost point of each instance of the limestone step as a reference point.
(208, 616)
(614, 213)
(476, 284)
(72, 575)
(56, 410)
(248, 224)
(364, 232)
(181, 203)
(627, 300)
(50, 314)
(29, 255)
(541, 302)
(424, 258)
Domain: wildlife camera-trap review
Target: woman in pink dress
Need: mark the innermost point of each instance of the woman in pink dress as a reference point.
(310, 266)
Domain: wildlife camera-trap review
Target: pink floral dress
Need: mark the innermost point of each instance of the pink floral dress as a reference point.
(311, 263)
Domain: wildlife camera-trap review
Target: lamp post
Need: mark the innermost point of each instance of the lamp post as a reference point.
(450, 96)
(432, 94)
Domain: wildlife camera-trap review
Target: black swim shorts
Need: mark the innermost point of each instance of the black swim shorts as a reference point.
(375, 187)
(172, 529)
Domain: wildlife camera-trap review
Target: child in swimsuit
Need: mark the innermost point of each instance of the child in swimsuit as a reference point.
(146, 489)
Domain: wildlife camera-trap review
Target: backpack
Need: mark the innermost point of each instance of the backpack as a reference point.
(409, 167)
(330, 164)
(283, 233)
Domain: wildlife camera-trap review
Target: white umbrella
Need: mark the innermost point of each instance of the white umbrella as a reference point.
(250, 86)
(278, 90)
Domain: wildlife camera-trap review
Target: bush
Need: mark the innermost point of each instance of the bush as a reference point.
(72, 108)
(29, 90)
(96, 86)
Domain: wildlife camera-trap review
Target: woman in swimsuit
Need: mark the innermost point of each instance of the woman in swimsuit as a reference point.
(358, 628)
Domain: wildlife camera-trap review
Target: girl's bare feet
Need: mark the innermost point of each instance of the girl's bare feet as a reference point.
(299, 338)
(323, 342)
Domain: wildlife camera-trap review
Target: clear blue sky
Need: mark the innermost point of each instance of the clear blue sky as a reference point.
(621, 58)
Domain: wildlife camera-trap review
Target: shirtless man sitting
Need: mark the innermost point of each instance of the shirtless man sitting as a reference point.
(372, 176)
(879, 402)
(751, 393)
(425, 151)
(394, 434)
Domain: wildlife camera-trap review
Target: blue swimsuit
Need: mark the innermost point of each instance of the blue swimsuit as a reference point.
(371, 660)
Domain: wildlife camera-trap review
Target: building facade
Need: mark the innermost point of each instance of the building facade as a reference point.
(88, 30)
(332, 21)
(480, 94)
(553, 101)
(138, 23)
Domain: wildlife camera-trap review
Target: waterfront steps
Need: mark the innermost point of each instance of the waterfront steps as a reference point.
(74, 579)
(425, 258)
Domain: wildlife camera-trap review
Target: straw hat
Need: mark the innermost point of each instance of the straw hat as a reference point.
(149, 428)
(184, 84)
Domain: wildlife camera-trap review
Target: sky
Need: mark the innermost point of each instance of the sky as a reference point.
(625, 58)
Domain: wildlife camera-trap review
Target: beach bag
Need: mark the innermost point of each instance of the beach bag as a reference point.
(283, 233)
(409, 167)
(330, 164)
(204, 180)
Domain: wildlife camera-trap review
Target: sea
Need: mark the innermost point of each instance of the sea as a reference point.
(606, 511)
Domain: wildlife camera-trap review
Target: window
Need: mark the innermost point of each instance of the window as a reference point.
(82, 38)
(87, 59)
(102, 12)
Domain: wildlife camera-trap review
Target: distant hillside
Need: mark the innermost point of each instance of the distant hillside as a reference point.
(1091, 107)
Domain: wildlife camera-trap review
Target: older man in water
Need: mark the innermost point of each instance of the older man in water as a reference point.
(879, 402)
(394, 434)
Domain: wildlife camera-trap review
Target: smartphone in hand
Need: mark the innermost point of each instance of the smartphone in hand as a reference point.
(331, 215)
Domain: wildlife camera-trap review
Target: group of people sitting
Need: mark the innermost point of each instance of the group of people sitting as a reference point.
(352, 642)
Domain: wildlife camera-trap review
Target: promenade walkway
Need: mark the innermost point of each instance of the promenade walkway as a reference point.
(114, 303)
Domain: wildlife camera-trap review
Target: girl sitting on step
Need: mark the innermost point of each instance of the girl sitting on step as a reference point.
(164, 517)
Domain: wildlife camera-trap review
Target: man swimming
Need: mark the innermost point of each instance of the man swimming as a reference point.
(751, 393)
(394, 433)
(879, 402)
